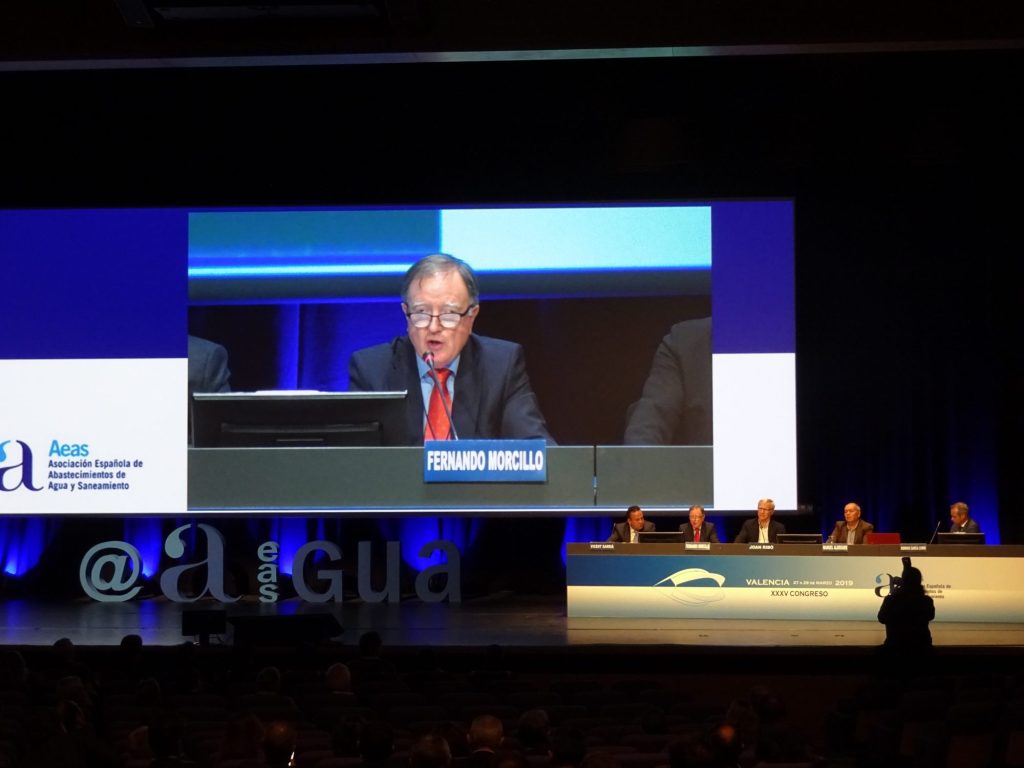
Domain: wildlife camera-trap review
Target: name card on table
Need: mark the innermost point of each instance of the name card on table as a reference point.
(485, 461)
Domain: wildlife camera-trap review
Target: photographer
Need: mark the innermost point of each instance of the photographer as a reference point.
(905, 612)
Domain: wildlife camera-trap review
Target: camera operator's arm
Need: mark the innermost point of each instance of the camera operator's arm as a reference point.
(885, 612)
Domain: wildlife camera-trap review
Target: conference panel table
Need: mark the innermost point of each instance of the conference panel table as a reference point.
(969, 583)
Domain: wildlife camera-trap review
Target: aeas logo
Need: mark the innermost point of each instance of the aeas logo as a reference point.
(15, 469)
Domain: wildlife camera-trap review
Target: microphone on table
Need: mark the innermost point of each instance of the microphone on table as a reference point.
(935, 532)
(428, 358)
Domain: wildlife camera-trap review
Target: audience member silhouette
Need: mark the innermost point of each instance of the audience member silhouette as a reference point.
(268, 702)
(136, 747)
(166, 734)
(185, 674)
(67, 664)
(279, 743)
(14, 672)
(690, 752)
(455, 735)
(533, 731)
(77, 739)
(370, 666)
(430, 751)
(723, 741)
(600, 759)
(338, 678)
(653, 721)
(131, 664)
(377, 745)
(345, 737)
(743, 716)
(568, 747)
(494, 668)
(486, 734)
(243, 738)
(778, 741)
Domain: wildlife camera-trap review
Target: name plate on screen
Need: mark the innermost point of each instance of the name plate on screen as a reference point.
(705, 545)
(835, 547)
(485, 461)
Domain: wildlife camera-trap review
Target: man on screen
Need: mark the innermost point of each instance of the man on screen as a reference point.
(207, 371)
(762, 529)
(629, 529)
(481, 382)
(960, 521)
(675, 406)
(207, 367)
(698, 529)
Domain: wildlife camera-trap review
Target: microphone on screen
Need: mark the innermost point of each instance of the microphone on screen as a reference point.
(428, 358)
(935, 532)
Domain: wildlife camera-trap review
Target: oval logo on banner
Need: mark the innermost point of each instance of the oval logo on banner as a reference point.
(690, 586)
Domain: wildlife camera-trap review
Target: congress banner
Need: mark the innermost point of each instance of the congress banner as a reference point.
(776, 586)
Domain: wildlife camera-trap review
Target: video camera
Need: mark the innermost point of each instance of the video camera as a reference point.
(895, 582)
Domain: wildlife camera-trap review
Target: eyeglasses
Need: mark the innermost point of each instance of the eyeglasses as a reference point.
(766, 509)
(447, 319)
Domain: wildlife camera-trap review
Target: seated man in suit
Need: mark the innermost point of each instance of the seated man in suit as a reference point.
(207, 367)
(853, 529)
(960, 521)
(697, 529)
(634, 523)
(482, 380)
(675, 406)
(762, 529)
(207, 371)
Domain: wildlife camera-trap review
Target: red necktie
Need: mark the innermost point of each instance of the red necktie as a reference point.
(696, 534)
(438, 427)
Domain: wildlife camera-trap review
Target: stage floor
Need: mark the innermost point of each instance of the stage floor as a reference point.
(504, 619)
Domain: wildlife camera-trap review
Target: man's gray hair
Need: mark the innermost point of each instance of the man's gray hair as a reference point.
(438, 263)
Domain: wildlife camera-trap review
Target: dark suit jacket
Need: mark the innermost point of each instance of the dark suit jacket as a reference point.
(493, 398)
(969, 526)
(207, 366)
(707, 532)
(748, 533)
(841, 531)
(675, 406)
(207, 371)
(480, 758)
(620, 531)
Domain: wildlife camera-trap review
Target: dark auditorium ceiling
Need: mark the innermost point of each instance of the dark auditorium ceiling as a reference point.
(77, 32)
